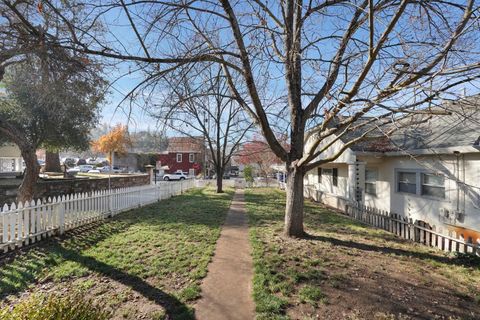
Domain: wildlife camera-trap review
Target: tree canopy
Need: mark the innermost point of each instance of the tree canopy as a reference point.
(115, 141)
(51, 106)
(318, 70)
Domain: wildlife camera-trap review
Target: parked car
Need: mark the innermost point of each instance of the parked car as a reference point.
(175, 176)
(73, 170)
(94, 171)
(115, 169)
(85, 167)
(92, 161)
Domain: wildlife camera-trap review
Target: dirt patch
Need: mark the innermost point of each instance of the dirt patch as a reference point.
(346, 270)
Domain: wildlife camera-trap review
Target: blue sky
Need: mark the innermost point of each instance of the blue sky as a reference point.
(138, 119)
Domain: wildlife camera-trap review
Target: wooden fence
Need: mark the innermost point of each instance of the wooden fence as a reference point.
(24, 223)
(417, 231)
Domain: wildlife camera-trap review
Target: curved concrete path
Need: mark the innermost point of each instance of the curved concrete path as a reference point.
(227, 289)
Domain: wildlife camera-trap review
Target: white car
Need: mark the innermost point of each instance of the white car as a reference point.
(115, 169)
(84, 168)
(175, 176)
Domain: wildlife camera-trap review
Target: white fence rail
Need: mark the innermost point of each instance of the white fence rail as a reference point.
(417, 231)
(24, 223)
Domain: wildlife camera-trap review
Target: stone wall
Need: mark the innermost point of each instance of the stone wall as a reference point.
(52, 188)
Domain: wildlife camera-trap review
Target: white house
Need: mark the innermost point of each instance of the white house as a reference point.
(11, 161)
(429, 173)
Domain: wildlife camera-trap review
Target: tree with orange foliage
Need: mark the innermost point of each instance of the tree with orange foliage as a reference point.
(116, 141)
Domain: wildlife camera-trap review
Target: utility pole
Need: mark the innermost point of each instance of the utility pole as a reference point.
(205, 146)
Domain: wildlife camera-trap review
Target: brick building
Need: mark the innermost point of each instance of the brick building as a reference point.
(183, 153)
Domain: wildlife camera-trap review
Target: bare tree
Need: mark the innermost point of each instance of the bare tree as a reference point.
(200, 103)
(329, 67)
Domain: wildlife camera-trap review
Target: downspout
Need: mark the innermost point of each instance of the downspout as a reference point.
(464, 184)
(457, 178)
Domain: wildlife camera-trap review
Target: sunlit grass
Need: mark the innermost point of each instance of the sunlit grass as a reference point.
(163, 248)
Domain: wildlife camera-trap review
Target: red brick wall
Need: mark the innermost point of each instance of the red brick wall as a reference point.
(170, 160)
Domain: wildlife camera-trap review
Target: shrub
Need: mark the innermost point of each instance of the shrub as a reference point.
(54, 307)
(248, 173)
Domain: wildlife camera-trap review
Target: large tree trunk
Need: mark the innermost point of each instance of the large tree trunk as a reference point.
(52, 162)
(26, 192)
(294, 206)
(219, 180)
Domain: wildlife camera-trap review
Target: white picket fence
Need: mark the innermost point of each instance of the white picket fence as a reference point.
(24, 223)
(417, 231)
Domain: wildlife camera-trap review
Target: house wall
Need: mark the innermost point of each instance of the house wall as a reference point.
(325, 191)
(10, 159)
(170, 160)
(462, 189)
(347, 156)
(463, 196)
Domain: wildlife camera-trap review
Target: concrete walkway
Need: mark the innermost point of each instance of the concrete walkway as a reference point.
(227, 289)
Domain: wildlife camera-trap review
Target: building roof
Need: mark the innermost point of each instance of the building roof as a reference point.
(461, 127)
(185, 144)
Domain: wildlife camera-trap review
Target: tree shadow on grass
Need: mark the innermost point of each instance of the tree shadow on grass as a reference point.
(20, 268)
(25, 266)
(174, 308)
(387, 250)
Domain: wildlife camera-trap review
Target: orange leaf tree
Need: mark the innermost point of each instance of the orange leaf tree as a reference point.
(116, 141)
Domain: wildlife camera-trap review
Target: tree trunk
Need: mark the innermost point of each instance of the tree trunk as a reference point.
(294, 206)
(52, 162)
(219, 180)
(26, 192)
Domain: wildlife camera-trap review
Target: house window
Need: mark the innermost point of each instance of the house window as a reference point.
(335, 177)
(191, 158)
(433, 185)
(421, 183)
(407, 182)
(371, 181)
(319, 175)
(179, 157)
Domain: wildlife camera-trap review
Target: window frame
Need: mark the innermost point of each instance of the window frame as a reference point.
(419, 183)
(375, 170)
(335, 177)
(422, 184)
(181, 158)
(191, 157)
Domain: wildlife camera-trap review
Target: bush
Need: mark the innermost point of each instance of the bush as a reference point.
(248, 173)
(54, 307)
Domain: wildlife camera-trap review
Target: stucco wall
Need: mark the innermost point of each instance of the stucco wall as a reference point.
(10, 159)
(9, 151)
(326, 192)
(429, 208)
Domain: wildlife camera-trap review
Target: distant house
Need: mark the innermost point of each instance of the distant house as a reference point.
(183, 153)
(11, 161)
(430, 173)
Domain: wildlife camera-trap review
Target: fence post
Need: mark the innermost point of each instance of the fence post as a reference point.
(416, 232)
(110, 203)
(61, 215)
(4, 214)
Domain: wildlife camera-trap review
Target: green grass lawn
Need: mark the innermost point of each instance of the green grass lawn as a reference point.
(346, 270)
(145, 263)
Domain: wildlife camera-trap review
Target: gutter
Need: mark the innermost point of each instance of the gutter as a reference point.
(431, 151)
